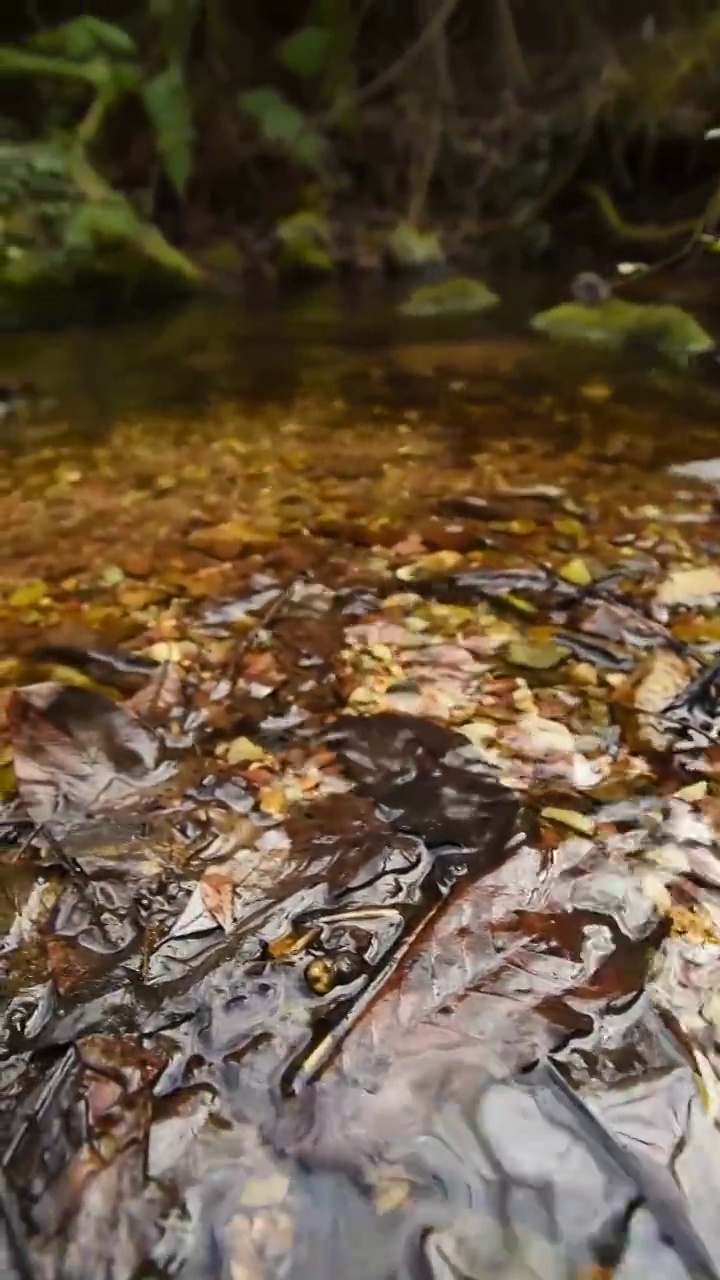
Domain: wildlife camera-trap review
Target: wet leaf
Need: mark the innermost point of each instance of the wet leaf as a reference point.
(689, 586)
(536, 737)
(77, 752)
(217, 891)
(244, 751)
(536, 656)
(576, 571)
(580, 822)
(31, 593)
(658, 679)
(260, 1192)
(227, 541)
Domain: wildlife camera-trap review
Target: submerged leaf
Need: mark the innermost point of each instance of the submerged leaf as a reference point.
(579, 822)
(690, 586)
(31, 593)
(77, 752)
(538, 657)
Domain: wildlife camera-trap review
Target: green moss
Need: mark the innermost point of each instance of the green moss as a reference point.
(450, 296)
(305, 245)
(615, 324)
(410, 250)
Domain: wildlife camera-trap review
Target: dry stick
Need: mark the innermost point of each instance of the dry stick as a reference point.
(695, 229)
(275, 607)
(509, 42)
(425, 164)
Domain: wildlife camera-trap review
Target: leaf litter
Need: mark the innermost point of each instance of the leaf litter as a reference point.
(359, 812)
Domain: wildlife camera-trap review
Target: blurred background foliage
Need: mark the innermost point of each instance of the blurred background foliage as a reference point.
(159, 131)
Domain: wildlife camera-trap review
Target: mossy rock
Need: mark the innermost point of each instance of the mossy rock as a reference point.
(449, 297)
(305, 243)
(409, 249)
(617, 324)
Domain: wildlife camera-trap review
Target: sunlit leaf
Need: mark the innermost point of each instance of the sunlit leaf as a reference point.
(111, 222)
(168, 105)
(283, 124)
(14, 60)
(306, 51)
(84, 38)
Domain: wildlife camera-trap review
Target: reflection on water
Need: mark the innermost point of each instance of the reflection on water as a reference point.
(406, 993)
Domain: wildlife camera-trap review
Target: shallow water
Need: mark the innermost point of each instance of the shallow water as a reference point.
(358, 883)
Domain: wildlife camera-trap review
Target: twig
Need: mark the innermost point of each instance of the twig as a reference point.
(644, 232)
(396, 69)
(426, 161)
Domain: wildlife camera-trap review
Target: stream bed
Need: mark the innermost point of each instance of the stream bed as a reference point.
(359, 807)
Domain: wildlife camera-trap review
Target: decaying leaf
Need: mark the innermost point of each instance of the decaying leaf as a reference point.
(689, 587)
(580, 822)
(538, 656)
(76, 752)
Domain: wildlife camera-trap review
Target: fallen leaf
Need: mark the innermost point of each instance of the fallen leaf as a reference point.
(217, 889)
(656, 681)
(695, 924)
(535, 737)
(537, 657)
(227, 541)
(389, 1195)
(77, 752)
(243, 751)
(695, 791)
(258, 1193)
(436, 562)
(689, 586)
(273, 801)
(31, 593)
(576, 571)
(580, 822)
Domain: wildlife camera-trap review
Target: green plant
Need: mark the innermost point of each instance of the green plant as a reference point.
(90, 54)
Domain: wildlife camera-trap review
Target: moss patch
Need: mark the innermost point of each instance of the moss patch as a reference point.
(669, 330)
(305, 245)
(456, 295)
(411, 250)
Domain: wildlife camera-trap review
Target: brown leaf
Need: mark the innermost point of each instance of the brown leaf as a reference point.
(217, 889)
(689, 586)
(228, 540)
(77, 752)
(161, 694)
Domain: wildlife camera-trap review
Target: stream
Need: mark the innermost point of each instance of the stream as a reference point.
(359, 784)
